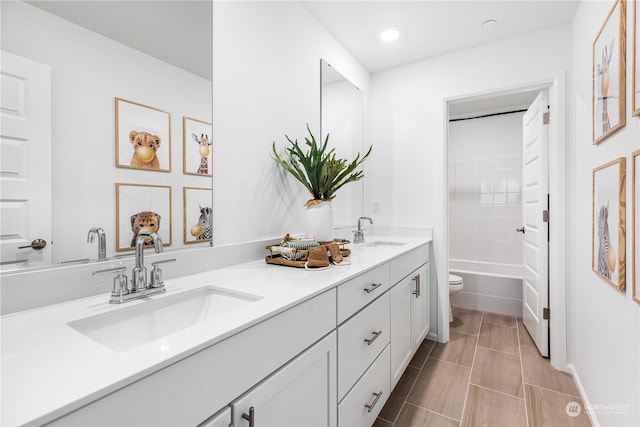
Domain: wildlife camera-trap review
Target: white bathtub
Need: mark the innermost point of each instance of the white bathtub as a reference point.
(488, 286)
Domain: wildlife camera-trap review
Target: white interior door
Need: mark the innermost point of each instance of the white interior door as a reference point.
(25, 152)
(535, 169)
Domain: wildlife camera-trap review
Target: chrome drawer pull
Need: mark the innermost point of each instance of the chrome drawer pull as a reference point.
(372, 288)
(375, 336)
(372, 404)
(250, 417)
(417, 291)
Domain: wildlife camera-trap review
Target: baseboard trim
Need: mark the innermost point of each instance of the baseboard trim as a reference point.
(583, 395)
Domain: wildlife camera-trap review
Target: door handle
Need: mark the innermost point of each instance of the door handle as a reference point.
(520, 230)
(36, 244)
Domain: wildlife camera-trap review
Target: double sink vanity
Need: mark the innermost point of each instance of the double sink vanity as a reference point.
(247, 345)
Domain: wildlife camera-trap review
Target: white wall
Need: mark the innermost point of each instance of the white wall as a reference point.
(603, 323)
(87, 72)
(408, 125)
(266, 84)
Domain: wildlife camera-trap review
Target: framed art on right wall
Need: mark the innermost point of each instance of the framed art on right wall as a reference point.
(636, 59)
(635, 285)
(608, 74)
(609, 230)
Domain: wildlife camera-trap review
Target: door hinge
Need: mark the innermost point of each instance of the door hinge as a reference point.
(545, 215)
(545, 313)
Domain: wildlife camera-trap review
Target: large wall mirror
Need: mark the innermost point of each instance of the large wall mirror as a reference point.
(342, 117)
(154, 55)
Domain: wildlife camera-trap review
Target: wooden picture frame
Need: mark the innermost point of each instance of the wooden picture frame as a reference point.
(635, 285)
(196, 147)
(608, 75)
(197, 215)
(143, 137)
(636, 60)
(608, 226)
(140, 206)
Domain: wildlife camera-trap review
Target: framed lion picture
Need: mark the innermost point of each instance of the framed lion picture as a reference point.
(143, 137)
(142, 207)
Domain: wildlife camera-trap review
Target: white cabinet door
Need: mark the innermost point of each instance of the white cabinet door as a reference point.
(221, 419)
(419, 305)
(301, 393)
(401, 348)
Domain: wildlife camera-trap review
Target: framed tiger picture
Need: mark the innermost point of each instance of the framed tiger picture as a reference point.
(609, 230)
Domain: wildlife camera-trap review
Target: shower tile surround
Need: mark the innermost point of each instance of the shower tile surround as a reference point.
(485, 209)
(476, 379)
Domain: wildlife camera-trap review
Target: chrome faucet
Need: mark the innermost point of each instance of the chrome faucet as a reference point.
(139, 288)
(358, 236)
(102, 241)
(139, 273)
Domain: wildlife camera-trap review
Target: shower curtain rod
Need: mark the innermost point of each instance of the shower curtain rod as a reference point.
(487, 115)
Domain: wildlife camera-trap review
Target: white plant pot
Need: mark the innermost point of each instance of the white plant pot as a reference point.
(320, 221)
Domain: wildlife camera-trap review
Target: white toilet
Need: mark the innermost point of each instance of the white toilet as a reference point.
(455, 285)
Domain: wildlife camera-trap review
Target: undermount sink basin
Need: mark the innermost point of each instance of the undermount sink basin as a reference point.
(131, 327)
(377, 243)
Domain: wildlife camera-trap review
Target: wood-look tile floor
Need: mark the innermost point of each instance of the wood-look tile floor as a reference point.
(489, 374)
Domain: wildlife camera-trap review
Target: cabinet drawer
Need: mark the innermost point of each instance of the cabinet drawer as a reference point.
(400, 267)
(360, 291)
(205, 382)
(363, 403)
(360, 341)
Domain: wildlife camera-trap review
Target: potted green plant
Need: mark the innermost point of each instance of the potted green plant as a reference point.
(322, 174)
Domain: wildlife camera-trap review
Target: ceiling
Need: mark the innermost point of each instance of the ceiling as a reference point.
(430, 28)
(176, 32)
(181, 30)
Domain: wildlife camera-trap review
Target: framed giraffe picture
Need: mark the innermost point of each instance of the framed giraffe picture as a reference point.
(608, 74)
(198, 222)
(635, 286)
(608, 226)
(196, 147)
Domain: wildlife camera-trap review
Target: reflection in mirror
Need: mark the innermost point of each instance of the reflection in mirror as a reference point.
(95, 53)
(342, 117)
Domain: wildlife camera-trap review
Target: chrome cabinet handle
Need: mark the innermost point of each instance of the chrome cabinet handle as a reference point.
(370, 406)
(372, 288)
(251, 417)
(417, 291)
(36, 244)
(375, 336)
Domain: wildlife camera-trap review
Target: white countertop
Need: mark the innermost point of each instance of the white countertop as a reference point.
(49, 369)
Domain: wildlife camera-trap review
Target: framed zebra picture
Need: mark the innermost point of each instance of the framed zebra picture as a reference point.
(608, 74)
(196, 139)
(635, 286)
(609, 230)
(198, 222)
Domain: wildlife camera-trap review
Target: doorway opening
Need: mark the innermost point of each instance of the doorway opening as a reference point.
(498, 191)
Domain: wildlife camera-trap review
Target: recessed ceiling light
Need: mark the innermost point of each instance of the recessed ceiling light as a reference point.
(390, 34)
(489, 23)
